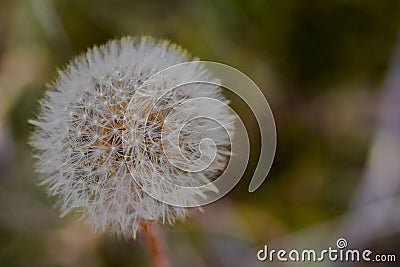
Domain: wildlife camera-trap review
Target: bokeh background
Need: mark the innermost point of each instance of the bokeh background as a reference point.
(331, 74)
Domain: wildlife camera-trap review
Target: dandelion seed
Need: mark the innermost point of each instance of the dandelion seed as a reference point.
(107, 143)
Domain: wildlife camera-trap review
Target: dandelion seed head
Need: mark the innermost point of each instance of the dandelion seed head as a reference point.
(99, 139)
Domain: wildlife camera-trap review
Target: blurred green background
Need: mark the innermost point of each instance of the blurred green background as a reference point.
(324, 67)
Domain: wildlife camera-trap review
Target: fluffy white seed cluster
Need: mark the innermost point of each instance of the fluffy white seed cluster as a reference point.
(100, 140)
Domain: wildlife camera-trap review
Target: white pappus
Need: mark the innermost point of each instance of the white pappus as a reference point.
(98, 140)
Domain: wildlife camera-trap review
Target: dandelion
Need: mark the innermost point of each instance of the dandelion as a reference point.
(99, 135)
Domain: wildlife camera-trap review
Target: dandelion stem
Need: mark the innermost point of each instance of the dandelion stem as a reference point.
(155, 244)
